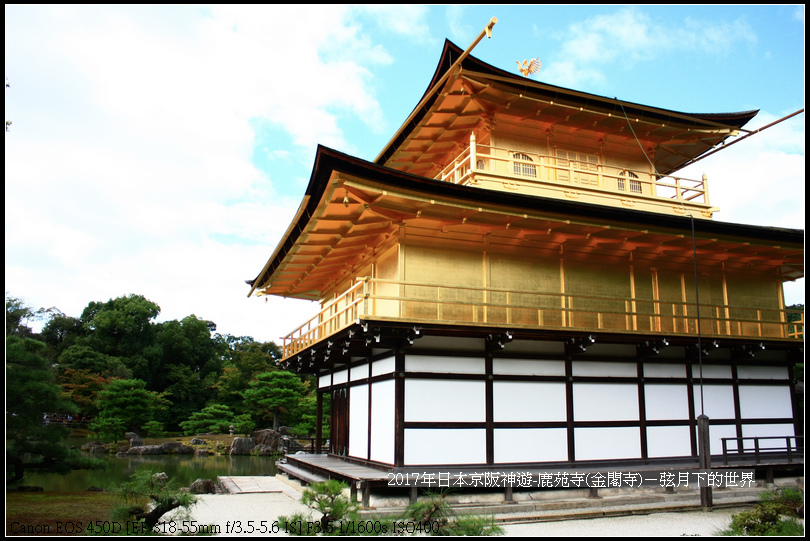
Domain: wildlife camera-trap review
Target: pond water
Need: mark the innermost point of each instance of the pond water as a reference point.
(184, 468)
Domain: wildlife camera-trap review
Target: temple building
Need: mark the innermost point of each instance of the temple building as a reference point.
(520, 278)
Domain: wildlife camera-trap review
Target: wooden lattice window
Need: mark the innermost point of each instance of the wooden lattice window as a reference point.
(583, 167)
(635, 185)
(523, 165)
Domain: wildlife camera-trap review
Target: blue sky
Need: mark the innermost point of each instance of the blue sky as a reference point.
(163, 150)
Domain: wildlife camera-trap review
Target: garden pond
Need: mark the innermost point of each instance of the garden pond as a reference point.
(185, 469)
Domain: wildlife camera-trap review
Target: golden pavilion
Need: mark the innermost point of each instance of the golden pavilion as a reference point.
(521, 278)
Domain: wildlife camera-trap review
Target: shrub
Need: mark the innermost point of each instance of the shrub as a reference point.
(340, 516)
(774, 515)
(148, 496)
(438, 518)
(214, 418)
(154, 429)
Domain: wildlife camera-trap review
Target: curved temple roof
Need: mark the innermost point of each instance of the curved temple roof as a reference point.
(351, 207)
(478, 93)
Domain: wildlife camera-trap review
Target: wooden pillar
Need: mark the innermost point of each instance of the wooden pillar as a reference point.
(365, 487)
(704, 461)
(399, 407)
(318, 423)
(489, 409)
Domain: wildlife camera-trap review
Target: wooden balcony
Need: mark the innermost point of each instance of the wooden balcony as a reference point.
(581, 179)
(392, 300)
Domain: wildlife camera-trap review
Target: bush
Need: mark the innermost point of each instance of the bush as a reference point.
(790, 500)
(438, 518)
(147, 496)
(215, 419)
(340, 516)
(243, 424)
(775, 515)
(154, 429)
(335, 507)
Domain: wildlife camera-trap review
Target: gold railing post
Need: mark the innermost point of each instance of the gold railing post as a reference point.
(472, 153)
(705, 187)
(356, 302)
(365, 309)
(508, 310)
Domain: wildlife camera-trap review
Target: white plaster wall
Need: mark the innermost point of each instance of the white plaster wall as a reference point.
(444, 365)
(605, 402)
(719, 401)
(666, 402)
(341, 376)
(424, 446)
(444, 401)
(382, 421)
(665, 441)
(603, 369)
(762, 402)
(358, 372)
(763, 372)
(720, 431)
(358, 421)
(528, 368)
(513, 445)
(607, 443)
(528, 401)
(655, 370)
(324, 381)
(750, 431)
(712, 371)
(383, 366)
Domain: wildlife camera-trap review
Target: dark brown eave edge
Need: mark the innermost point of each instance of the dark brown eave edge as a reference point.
(328, 160)
(451, 52)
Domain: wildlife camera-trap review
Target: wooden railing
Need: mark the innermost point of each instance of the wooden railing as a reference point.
(526, 167)
(796, 328)
(422, 302)
(334, 316)
(793, 446)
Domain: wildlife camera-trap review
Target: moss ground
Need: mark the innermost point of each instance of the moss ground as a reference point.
(56, 513)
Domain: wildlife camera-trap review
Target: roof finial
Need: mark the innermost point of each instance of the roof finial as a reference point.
(529, 66)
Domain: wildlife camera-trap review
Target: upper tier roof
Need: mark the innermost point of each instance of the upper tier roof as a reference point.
(352, 206)
(477, 93)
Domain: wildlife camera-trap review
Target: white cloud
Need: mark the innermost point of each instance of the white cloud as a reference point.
(618, 41)
(128, 169)
(459, 31)
(761, 181)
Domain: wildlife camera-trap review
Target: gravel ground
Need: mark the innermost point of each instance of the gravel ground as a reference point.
(255, 515)
(655, 525)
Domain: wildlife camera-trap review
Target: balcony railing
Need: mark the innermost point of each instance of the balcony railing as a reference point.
(394, 300)
(518, 168)
(758, 446)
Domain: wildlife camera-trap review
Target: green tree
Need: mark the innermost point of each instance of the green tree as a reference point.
(272, 393)
(82, 357)
(307, 417)
(214, 418)
(244, 358)
(124, 327)
(243, 424)
(147, 497)
(19, 315)
(125, 404)
(32, 393)
(60, 332)
(191, 360)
